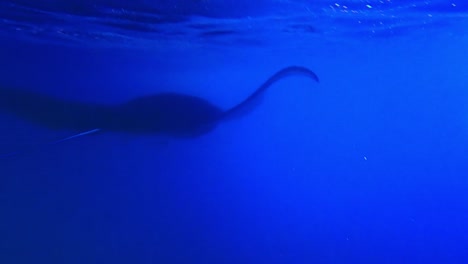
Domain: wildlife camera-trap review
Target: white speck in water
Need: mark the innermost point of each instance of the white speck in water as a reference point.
(368, 6)
(365, 158)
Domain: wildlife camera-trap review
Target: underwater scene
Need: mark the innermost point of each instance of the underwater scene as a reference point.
(222, 131)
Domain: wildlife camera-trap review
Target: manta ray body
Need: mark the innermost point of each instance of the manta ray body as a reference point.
(173, 114)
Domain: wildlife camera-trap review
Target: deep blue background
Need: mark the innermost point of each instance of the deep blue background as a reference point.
(369, 166)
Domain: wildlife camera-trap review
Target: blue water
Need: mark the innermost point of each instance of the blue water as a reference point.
(368, 166)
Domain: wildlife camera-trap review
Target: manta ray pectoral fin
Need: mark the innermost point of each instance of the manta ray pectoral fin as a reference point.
(249, 102)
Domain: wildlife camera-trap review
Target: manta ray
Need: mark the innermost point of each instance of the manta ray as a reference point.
(170, 113)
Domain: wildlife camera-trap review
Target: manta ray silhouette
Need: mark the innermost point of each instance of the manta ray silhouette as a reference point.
(172, 114)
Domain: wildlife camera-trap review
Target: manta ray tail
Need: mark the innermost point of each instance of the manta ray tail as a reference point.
(36, 147)
(92, 131)
(288, 71)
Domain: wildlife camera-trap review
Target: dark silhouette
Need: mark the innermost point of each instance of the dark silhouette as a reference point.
(172, 114)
